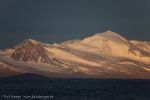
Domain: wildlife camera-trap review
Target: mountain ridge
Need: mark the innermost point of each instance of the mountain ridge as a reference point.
(104, 54)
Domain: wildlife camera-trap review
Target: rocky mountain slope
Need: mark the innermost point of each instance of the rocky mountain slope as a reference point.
(30, 51)
(103, 55)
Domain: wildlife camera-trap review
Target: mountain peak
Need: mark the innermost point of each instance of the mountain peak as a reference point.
(31, 41)
(108, 33)
(31, 50)
(111, 35)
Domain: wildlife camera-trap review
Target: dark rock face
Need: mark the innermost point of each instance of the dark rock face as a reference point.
(138, 52)
(29, 51)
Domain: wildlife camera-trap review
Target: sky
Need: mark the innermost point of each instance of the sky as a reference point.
(60, 20)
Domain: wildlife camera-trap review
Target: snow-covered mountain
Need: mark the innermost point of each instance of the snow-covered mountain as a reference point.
(103, 55)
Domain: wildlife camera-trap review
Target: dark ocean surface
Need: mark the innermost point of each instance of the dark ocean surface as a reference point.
(33, 87)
